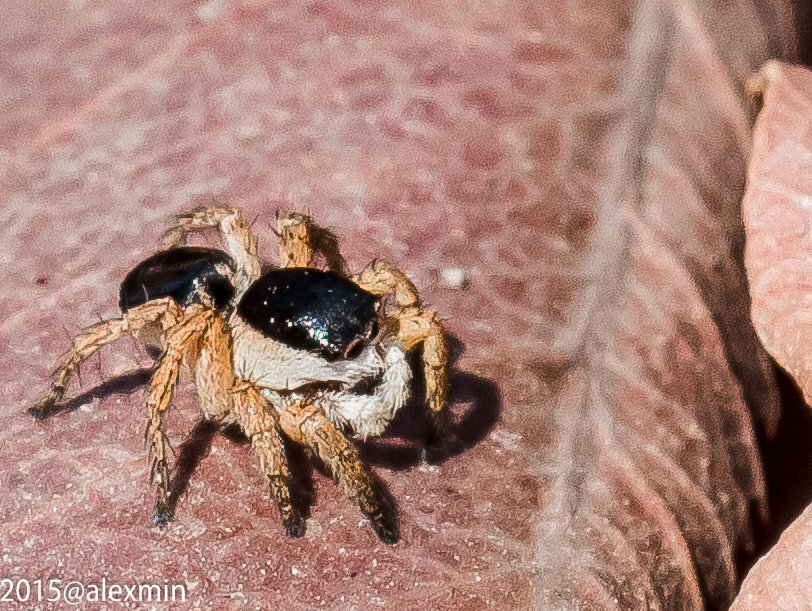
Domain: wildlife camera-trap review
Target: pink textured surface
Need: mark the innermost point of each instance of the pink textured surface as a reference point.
(582, 163)
(777, 210)
(780, 580)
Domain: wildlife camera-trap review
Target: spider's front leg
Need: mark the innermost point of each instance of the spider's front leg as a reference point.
(220, 394)
(306, 424)
(163, 312)
(420, 325)
(235, 231)
(260, 421)
(416, 325)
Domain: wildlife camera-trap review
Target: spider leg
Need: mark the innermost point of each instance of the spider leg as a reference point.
(260, 421)
(182, 342)
(213, 372)
(238, 239)
(306, 424)
(420, 325)
(300, 239)
(163, 312)
(219, 395)
(382, 278)
(415, 324)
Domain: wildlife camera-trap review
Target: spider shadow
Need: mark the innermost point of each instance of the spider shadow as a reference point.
(301, 463)
(197, 447)
(119, 385)
(403, 446)
(187, 458)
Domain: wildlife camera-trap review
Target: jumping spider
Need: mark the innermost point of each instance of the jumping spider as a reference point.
(307, 353)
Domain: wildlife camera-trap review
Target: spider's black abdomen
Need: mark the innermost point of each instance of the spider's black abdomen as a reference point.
(309, 309)
(182, 273)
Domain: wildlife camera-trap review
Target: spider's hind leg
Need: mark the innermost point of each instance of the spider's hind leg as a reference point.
(300, 239)
(235, 231)
(162, 312)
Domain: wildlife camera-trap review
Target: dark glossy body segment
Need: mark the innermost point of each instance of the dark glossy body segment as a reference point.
(182, 273)
(310, 309)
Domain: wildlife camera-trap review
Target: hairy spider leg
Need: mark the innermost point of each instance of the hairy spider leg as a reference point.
(383, 278)
(235, 231)
(220, 394)
(416, 324)
(300, 239)
(420, 325)
(182, 342)
(213, 371)
(306, 424)
(162, 312)
(260, 421)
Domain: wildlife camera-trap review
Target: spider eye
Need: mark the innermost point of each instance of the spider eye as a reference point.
(354, 349)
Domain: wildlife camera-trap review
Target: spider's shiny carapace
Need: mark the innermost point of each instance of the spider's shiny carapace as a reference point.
(310, 309)
(304, 308)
